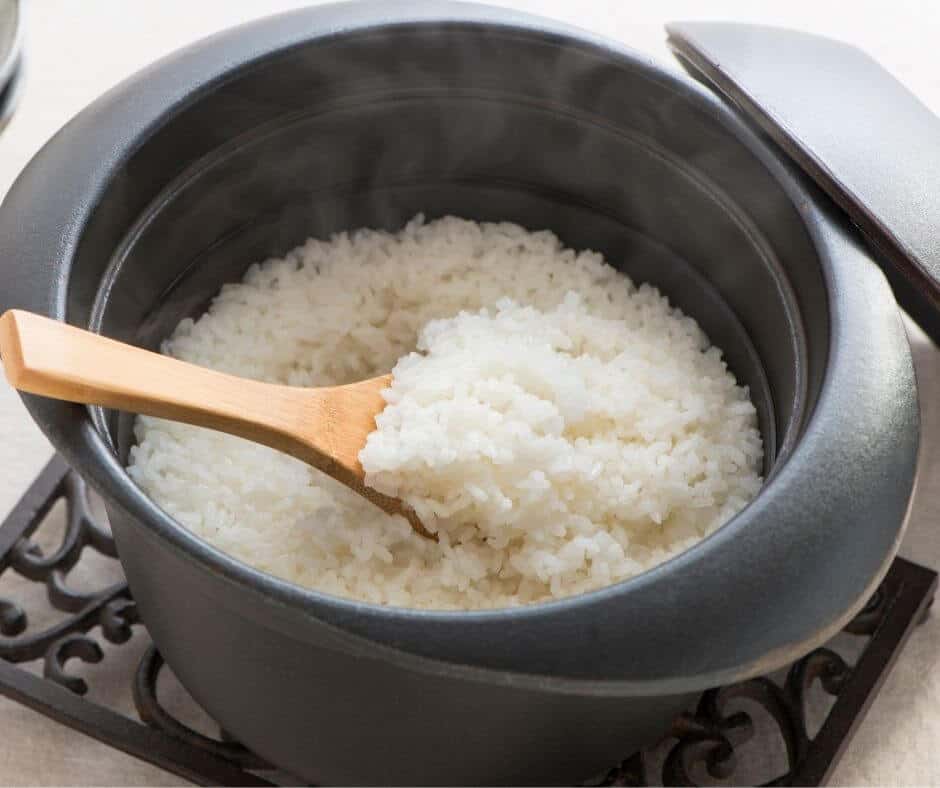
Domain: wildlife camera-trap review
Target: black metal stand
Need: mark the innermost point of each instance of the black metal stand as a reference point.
(702, 747)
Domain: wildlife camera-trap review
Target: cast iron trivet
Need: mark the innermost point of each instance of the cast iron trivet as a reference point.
(704, 746)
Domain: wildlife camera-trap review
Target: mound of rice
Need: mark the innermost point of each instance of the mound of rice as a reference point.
(559, 428)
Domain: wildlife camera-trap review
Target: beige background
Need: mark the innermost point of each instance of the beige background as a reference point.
(79, 48)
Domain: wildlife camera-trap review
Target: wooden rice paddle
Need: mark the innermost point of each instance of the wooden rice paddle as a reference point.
(325, 427)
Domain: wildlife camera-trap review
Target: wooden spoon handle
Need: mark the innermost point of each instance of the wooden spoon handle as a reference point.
(53, 359)
(323, 427)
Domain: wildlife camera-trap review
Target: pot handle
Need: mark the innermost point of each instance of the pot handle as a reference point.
(865, 139)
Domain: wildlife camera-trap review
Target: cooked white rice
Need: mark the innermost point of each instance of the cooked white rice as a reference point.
(561, 429)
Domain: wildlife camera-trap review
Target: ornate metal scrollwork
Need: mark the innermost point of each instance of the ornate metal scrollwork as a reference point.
(711, 735)
(111, 607)
(706, 743)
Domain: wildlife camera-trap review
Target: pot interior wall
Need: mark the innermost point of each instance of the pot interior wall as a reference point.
(489, 124)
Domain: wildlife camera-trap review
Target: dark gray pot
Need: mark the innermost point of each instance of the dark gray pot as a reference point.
(341, 116)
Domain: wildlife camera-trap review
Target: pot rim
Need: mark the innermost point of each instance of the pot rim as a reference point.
(441, 640)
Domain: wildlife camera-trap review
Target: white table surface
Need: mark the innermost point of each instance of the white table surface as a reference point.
(77, 49)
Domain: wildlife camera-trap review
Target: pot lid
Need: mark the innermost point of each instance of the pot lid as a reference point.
(865, 139)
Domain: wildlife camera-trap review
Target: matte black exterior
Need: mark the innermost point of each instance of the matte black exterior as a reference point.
(349, 115)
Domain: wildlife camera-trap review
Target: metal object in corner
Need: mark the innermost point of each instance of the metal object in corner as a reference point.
(11, 59)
